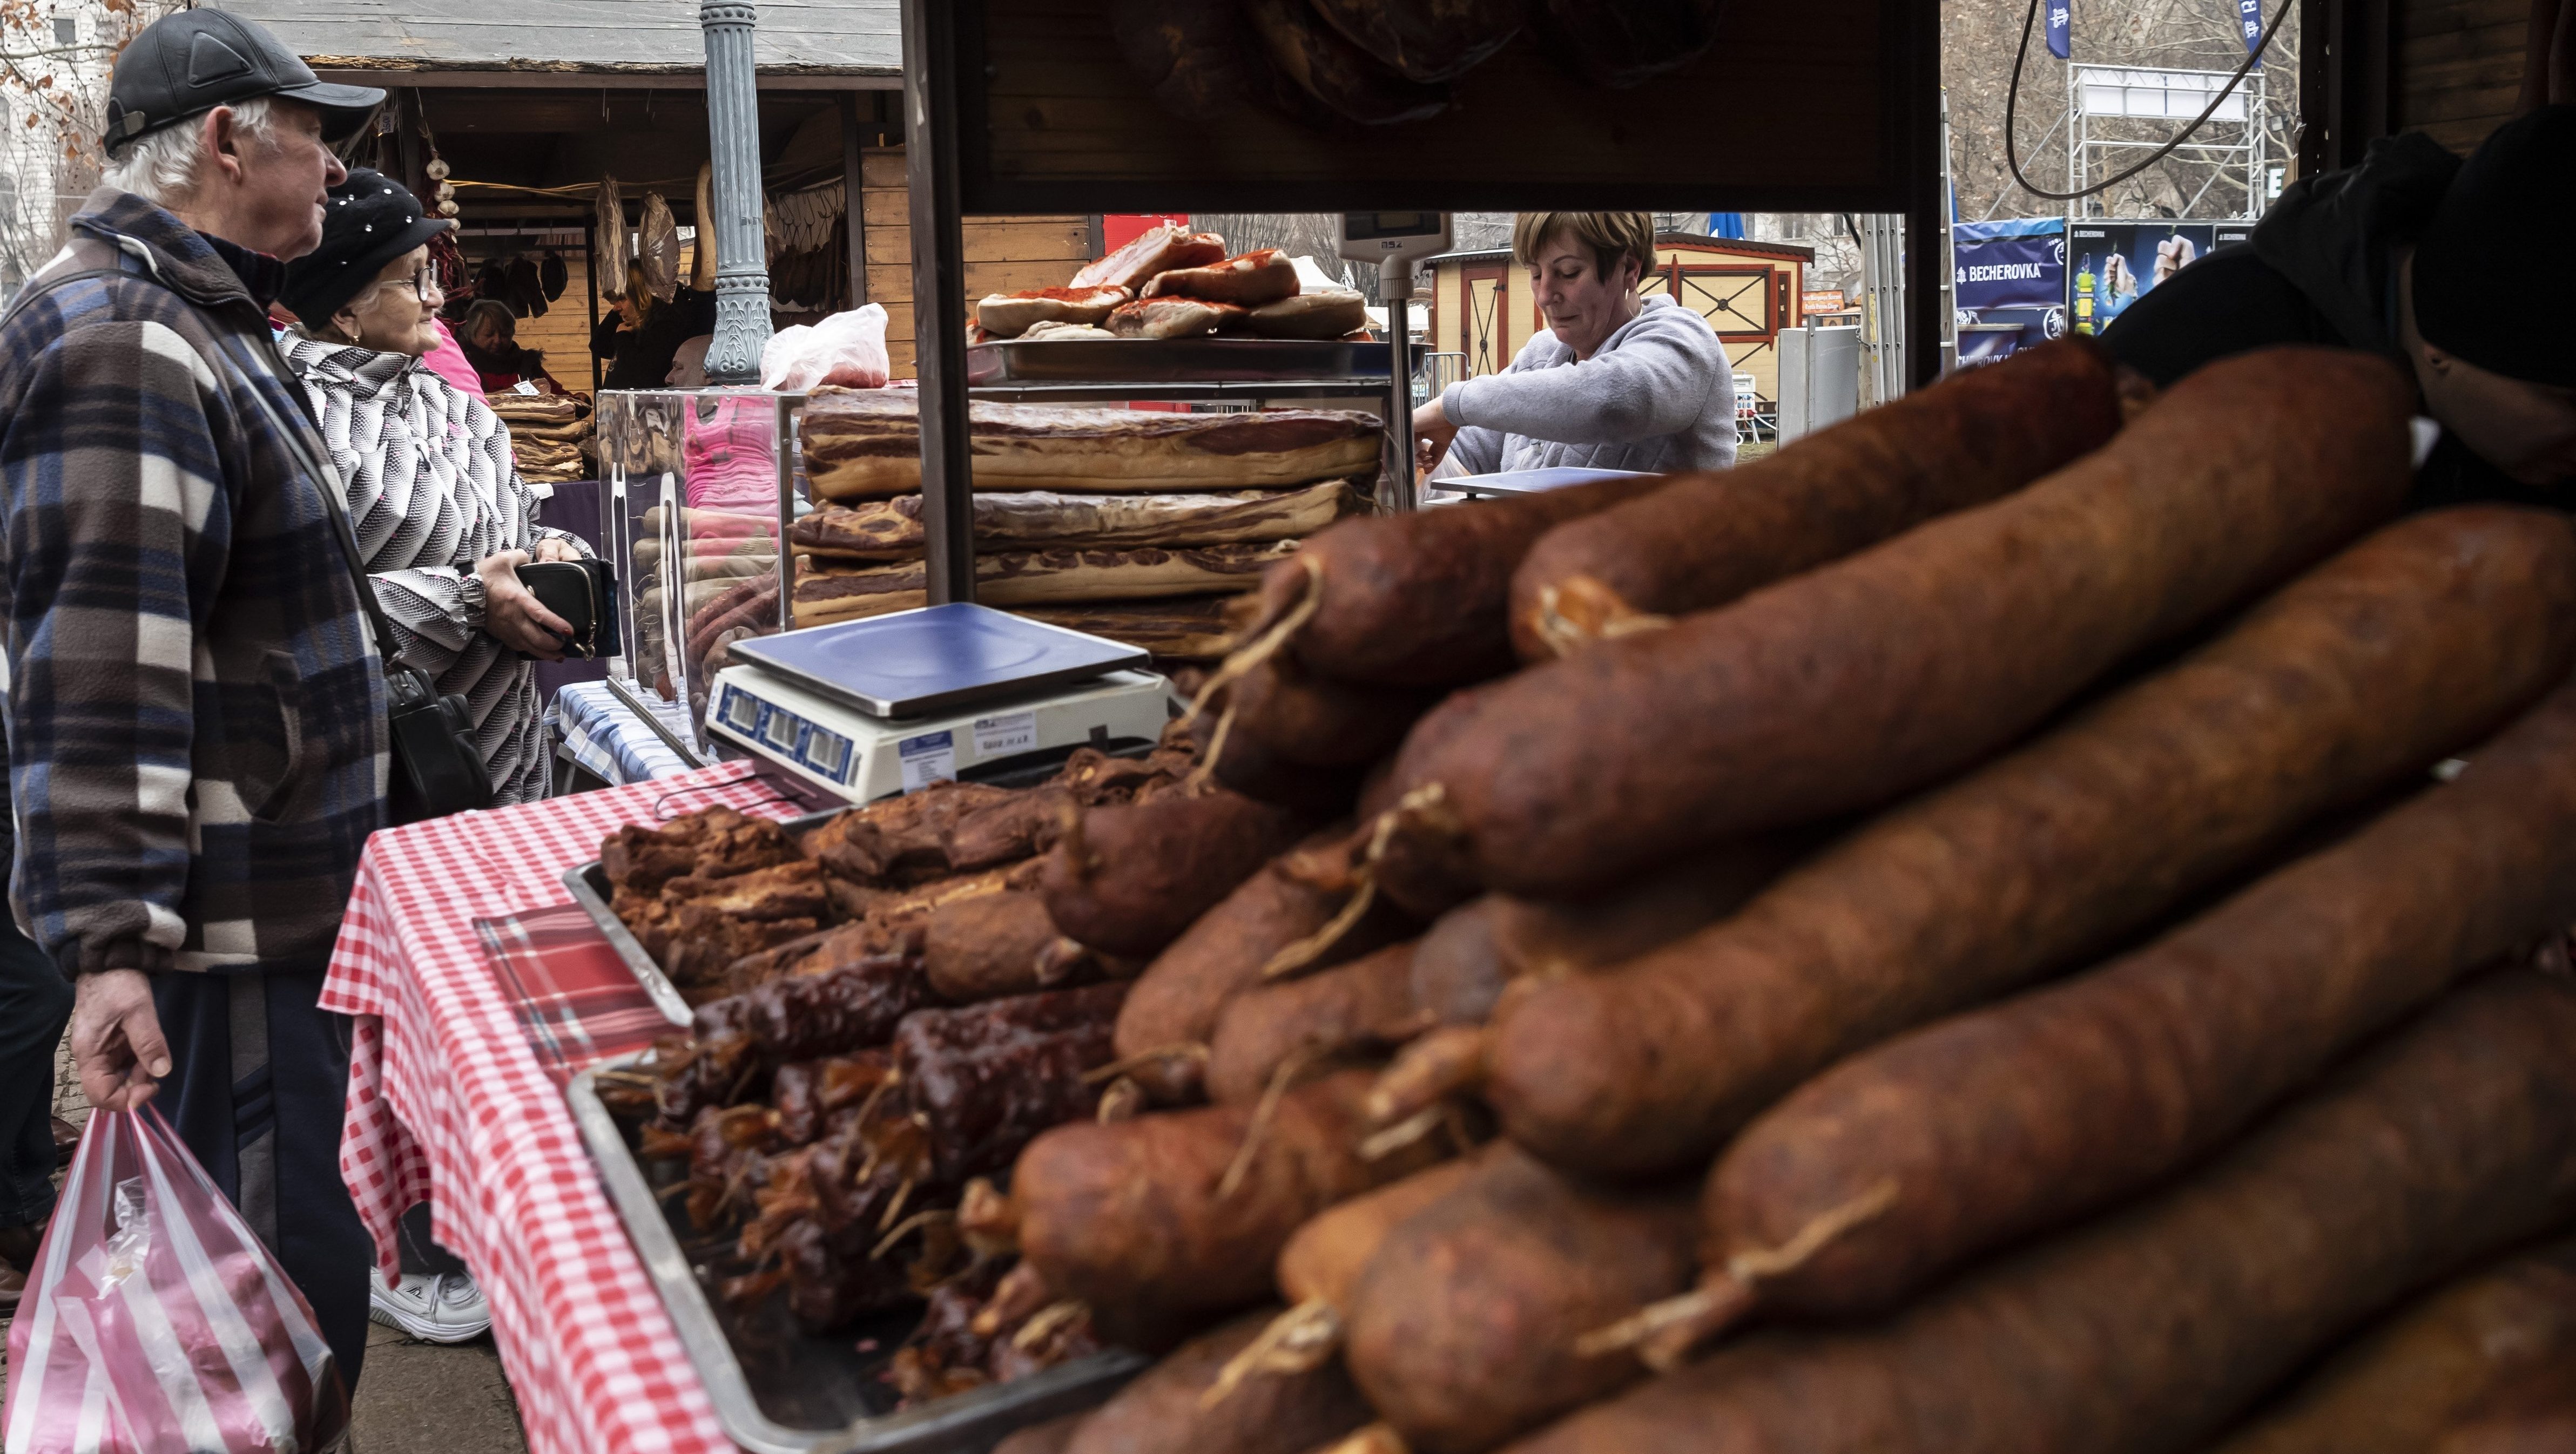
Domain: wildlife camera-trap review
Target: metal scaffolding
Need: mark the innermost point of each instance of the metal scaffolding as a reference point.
(2232, 141)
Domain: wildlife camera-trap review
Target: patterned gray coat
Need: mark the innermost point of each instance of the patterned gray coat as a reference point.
(432, 491)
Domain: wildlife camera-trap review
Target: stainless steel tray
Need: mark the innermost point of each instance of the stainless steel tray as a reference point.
(779, 1391)
(1244, 361)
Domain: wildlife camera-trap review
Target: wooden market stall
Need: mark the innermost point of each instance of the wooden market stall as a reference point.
(532, 103)
(1482, 312)
(2454, 69)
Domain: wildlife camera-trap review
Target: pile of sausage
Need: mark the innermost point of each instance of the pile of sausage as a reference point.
(1949, 938)
(884, 1013)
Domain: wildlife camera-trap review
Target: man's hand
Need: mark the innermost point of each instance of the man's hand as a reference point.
(514, 615)
(555, 547)
(116, 1039)
(1432, 433)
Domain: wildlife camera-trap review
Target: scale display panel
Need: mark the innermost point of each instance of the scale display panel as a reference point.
(913, 663)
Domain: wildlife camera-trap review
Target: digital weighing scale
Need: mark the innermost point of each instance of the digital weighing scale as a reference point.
(865, 709)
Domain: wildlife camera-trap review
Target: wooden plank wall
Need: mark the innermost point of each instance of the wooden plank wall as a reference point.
(1003, 254)
(2459, 66)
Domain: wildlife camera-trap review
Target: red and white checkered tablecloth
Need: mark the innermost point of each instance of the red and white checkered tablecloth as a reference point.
(447, 1103)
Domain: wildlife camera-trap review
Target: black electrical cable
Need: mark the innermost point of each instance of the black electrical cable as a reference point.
(2012, 106)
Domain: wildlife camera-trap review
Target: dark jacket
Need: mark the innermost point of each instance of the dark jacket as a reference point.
(196, 716)
(2321, 268)
(643, 355)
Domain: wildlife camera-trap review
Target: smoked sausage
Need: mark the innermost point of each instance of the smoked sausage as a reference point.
(1894, 668)
(2412, 644)
(1974, 1131)
(2152, 1329)
(1706, 539)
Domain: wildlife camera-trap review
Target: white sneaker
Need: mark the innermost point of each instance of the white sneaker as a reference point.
(446, 1308)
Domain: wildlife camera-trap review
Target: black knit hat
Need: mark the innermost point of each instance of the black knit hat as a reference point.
(371, 221)
(2511, 209)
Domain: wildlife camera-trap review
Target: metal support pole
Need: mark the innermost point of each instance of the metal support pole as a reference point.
(1395, 284)
(733, 140)
(938, 296)
(854, 211)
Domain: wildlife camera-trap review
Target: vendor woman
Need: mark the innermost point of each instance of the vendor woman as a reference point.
(1616, 382)
(2437, 263)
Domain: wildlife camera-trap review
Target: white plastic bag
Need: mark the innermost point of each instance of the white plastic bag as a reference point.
(847, 349)
(156, 1320)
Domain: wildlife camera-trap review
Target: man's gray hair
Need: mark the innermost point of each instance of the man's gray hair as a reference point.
(161, 168)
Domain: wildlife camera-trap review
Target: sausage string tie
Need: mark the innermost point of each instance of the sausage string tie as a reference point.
(1665, 1332)
(1046, 1321)
(1610, 616)
(1404, 1133)
(907, 1227)
(1242, 663)
(1257, 1129)
(1297, 1341)
(1194, 1053)
(1314, 946)
(1196, 784)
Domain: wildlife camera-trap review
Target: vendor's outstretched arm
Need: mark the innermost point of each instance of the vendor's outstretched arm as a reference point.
(1658, 381)
(1473, 452)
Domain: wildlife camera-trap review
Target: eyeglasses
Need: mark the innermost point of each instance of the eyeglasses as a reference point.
(422, 284)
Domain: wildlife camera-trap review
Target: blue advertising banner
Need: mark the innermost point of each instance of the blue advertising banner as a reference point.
(2116, 263)
(2015, 264)
(2009, 285)
(2060, 21)
(2249, 19)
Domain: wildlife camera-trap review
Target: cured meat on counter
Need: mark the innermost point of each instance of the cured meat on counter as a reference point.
(1036, 577)
(1329, 313)
(866, 444)
(1247, 280)
(892, 529)
(1175, 318)
(1196, 628)
(1008, 315)
(1156, 250)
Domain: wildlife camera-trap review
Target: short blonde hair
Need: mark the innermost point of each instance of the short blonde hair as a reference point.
(1609, 235)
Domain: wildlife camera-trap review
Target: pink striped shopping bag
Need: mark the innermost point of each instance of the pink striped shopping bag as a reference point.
(156, 1321)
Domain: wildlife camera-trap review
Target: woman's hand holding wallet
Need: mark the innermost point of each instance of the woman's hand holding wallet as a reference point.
(514, 615)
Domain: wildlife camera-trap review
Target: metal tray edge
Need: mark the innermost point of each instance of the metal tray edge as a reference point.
(1077, 1385)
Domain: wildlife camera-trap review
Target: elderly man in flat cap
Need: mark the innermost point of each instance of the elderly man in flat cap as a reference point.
(196, 717)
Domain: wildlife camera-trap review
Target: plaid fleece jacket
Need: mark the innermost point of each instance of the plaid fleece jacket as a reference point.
(195, 713)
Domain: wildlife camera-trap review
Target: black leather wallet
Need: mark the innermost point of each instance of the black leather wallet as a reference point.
(584, 594)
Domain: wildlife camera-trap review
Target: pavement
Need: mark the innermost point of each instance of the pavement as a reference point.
(425, 1398)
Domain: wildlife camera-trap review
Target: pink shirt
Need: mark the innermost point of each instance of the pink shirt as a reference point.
(729, 458)
(447, 361)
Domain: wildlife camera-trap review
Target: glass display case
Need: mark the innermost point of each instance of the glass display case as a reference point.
(701, 487)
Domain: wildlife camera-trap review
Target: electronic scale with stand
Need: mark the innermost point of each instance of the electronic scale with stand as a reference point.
(1395, 241)
(864, 709)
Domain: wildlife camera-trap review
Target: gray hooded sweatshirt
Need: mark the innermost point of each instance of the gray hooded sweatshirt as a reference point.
(1658, 396)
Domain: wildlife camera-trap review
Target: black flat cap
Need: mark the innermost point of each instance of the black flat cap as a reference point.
(189, 63)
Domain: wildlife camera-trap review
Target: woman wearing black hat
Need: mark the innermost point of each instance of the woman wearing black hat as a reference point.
(444, 518)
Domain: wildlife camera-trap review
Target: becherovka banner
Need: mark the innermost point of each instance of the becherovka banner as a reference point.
(2009, 285)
